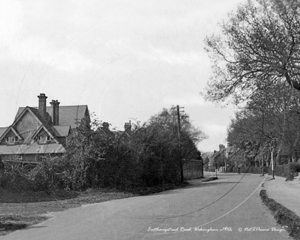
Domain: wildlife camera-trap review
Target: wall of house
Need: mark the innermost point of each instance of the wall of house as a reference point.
(26, 158)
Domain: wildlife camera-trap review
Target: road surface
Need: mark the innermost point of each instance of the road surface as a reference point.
(228, 208)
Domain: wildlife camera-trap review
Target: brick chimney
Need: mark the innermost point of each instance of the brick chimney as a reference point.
(105, 125)
(127, 127)
(221, 147)
(42, 105)
(55, 111)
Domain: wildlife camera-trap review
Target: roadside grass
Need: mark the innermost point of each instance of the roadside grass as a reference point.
(284, 216)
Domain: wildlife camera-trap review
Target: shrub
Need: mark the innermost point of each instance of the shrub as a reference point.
(16, 177)
(293, 169)
(287, 170)
(279, 170)
(50, 174)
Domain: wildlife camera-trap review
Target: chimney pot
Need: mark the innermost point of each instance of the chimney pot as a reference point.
(55, 111)
(127, 127)
(105, 125)
(42, 105)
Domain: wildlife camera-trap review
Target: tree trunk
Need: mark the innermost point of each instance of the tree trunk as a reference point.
(296, 144)
(284, 149)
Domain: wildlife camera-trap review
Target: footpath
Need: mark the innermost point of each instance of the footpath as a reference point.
(287, 193)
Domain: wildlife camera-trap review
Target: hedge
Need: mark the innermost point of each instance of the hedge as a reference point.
(245, 169)
(289, 170)
(284, 216)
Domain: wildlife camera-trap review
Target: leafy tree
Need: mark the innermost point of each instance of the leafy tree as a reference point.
(259, 47)
(255, 57)
(183, 146)
(270, 118)
(145, 155)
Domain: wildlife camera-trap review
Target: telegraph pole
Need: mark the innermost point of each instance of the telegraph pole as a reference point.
(180, 160)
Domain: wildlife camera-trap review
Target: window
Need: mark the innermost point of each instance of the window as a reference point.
(41, 139)
(44, 139)
(11, 140)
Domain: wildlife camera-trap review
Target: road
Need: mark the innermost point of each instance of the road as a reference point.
(228, 208)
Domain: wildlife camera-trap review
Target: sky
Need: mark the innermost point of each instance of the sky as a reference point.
(125, 59)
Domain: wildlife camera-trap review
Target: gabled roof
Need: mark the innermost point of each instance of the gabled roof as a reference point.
(2, 130)
(62, 131)
(24, 110)
(44, 124)
(10, 128)
(46, 130)
(68, 115)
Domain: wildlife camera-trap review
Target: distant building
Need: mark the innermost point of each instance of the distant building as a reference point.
(40, 131)
(126, 132)
(218, 158)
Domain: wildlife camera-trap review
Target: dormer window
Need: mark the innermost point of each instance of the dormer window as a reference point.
(44, 139)
(11, 140)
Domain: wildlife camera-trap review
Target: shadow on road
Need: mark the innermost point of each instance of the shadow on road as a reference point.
(208, 184)
(197, 184)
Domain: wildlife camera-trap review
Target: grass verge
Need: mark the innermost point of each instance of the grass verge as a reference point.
(284, 216)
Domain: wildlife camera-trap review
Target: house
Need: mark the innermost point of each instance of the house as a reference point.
(218, 158)
(40, 131)
(239, 157)
(125, 134)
